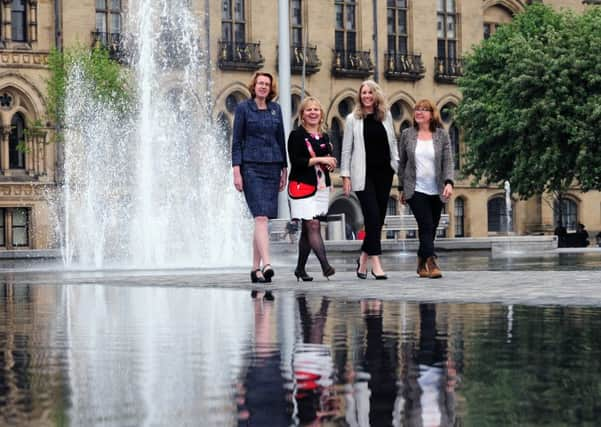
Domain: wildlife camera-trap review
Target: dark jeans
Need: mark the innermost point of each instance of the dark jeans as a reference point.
(374, 201)
(426, 210)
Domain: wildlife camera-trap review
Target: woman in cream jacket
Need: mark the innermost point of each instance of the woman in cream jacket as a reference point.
(368, 163)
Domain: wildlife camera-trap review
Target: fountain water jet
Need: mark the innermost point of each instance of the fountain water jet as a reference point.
(151, 188)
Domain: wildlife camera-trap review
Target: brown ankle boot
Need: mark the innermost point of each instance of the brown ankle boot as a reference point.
(433, 269)
(422, 270)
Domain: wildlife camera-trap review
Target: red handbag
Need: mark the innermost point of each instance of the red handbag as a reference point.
(300, 190)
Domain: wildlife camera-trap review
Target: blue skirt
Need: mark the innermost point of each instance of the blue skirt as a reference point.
(261, 183)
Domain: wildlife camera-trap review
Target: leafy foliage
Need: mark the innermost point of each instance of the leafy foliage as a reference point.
(109, 79)
(532, 102)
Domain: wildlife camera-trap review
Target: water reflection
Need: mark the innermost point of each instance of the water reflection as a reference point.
(314, 396)
(261, 397)
(118, 356)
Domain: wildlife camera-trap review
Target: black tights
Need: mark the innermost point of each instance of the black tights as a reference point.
(311, 239)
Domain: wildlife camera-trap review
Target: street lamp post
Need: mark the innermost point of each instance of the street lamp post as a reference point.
(284, 73)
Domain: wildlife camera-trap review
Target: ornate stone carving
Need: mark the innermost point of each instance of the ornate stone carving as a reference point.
(24, 59)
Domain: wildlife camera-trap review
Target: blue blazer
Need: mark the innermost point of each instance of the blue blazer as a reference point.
(258, 135)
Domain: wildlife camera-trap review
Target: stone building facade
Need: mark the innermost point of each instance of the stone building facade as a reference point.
(412, 48)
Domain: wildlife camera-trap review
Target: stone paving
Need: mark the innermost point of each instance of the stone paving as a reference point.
(507, 287)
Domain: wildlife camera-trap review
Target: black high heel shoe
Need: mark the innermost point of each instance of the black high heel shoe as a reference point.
(359, 274)
(379, 277)
(330, 271)
(302, 275)
(256, 279)
(268, 273)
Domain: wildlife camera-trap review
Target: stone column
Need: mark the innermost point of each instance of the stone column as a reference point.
(30, 155)
(32, 21)
(6, 21)
(4, 156)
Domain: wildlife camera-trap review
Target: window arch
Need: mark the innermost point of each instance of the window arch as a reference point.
(232, 101)
(16, 143)
(346, 106)
(497, 215)
(566, 213)
(459, 214)
(401, 113)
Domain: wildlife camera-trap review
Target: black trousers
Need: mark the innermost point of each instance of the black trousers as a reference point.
(426, 210)
(374, 201)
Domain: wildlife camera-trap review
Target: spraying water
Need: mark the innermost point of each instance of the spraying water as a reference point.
(151, 188)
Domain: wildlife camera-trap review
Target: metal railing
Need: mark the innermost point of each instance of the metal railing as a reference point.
(446, 70)
(352, 63)
(240, 56)
(400, 66)
(297, 57)
(111, 41)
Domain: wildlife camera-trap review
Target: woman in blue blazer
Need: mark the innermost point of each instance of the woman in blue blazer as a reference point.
(259, 164)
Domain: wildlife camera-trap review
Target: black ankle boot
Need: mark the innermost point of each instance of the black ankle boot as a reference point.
(301, 274)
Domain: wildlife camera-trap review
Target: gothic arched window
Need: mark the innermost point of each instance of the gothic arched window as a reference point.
(16, 141)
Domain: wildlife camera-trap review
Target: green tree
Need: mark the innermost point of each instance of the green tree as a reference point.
(532, 102)
(110, 80)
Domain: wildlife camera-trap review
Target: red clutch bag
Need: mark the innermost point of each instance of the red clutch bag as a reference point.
(300, 190)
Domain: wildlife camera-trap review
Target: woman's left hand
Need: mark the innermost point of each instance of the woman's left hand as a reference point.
(447, 191)
(283, 179)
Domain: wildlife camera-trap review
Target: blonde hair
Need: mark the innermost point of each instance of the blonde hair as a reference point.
(273, 91)
(380, 104)
(305, 104)
(428, 104)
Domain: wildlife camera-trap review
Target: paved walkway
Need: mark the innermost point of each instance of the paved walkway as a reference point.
(507, 287)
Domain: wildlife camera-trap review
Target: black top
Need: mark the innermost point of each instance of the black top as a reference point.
(299, 155)
(377, 152)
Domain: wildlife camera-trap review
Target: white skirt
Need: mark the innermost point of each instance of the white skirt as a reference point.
(310, 207)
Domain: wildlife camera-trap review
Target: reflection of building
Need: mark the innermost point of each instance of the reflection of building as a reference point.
(413, 48)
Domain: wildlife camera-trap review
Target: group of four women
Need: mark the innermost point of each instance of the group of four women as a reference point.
(370, 157)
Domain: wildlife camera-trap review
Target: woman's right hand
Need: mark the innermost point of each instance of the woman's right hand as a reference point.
(329, 162)
(402, 197)
(346, 186)
(238, 179)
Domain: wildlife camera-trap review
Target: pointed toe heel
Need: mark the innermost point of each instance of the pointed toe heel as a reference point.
(379, 276)
(302, 275)
(360, 275)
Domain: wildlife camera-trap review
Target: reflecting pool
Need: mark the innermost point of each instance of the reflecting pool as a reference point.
(119, 355)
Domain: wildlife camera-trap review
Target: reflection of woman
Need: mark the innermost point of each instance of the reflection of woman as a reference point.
(311, 159)
(380, 361)
(429, 399)
(426, 179)
(259, 163)
(313, 368)
(261, 398)
(368, 162)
